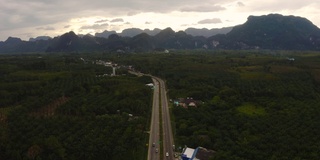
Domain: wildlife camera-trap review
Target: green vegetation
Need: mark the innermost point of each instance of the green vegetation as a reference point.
(60, 107)
(257, 105)
(251, 110)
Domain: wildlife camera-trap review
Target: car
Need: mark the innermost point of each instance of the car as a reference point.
(153, 144)
(167, 154)
(156, 150)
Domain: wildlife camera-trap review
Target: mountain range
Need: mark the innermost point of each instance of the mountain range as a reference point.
(131, 32)
(271, 32)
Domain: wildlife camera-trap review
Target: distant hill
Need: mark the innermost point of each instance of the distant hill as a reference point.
(131, 32)
(40, 38)
(135, 31)
(206, 32)
(16, 45)
(67, 42)
(273, 31)
(105, 34)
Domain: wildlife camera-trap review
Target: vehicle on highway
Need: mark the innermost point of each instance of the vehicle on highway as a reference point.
(153, 144)
(156, 150)
(167, 154)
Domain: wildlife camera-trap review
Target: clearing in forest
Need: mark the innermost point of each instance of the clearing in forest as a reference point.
(251, 110)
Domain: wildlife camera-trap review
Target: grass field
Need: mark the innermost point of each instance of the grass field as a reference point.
(251, 110)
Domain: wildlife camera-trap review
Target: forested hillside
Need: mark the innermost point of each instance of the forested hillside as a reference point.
(257, 105)
(60, 107)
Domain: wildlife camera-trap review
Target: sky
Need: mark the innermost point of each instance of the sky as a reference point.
(31, 18)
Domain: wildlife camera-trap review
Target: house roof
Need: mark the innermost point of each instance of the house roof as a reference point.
(188, 152)
(186, 100)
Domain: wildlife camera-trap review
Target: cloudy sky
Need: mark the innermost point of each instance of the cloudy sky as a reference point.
(32, 18)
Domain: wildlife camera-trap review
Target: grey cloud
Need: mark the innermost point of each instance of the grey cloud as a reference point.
(95, 26)
(21, 13)
(101, 21)
(210, 21)
(240, 4)
(42, 12)
(67, 26)
(117, 20)
(214, 8)
(46, 28)
(186, 25)
(148, 22)
(132, 13)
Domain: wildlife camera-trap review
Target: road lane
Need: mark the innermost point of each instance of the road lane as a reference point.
(167, 138)
(166, 122)
(154, 126)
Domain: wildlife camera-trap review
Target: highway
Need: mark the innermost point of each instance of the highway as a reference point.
(154, 126)
(167, 142)
(167, 139)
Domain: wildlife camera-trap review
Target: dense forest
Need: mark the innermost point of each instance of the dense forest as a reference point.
(62, 107)
(256, 105)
